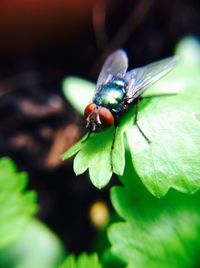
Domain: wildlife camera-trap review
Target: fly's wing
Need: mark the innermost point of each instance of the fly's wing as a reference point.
(141, 78)
(115, 64)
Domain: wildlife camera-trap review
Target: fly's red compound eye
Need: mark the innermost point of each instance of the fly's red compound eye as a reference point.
(106, 117)
(88, 109)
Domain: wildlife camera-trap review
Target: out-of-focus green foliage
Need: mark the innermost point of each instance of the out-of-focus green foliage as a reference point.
(172, 123)
(74, 87)
(36, 247)
(17, 206)
(83, 261)
(24, 241)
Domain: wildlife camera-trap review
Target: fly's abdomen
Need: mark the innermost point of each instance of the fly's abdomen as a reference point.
(111, 95)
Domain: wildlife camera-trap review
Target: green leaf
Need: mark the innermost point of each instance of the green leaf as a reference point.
(36, 247)
(17, 207)
(78, 92)
(83, 261)
(155, 233)
(172, 159)
(88, 157)
(74, 149)
(171, 123)
(110, 260)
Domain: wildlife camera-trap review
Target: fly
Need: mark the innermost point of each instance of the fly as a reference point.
(118, 89)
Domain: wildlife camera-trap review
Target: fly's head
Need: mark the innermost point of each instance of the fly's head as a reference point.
(97, 117)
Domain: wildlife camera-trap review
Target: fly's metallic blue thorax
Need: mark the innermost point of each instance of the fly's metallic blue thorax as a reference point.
(111, 95)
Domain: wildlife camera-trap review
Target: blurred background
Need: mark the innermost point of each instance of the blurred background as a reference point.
(42, 42)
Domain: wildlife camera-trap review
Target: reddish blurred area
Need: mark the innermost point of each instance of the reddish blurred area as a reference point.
(27, 25)
(42, 42)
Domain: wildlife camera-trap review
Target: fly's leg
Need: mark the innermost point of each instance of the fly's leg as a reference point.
(113, 141)
(136, 121)
(137, 110)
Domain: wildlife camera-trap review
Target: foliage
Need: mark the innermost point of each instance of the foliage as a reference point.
(36, 247)
(171, 123)
(154, 233)
(147, 231)
(83, 261)
(16, 206)
(24, 241)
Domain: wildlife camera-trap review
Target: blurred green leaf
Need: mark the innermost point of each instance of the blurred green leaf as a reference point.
(17, 207)
(83, 261)
(109, 260)
(154, 233)
(78, 92)
(172, 124)
(36, 247)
